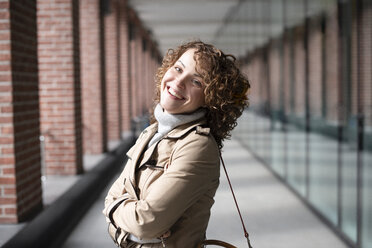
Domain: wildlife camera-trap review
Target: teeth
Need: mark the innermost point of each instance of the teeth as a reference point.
(173, 93)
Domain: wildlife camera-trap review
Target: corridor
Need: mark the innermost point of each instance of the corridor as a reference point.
(274, 216)
(77, 81)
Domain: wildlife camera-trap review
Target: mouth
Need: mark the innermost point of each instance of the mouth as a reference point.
(174, 93)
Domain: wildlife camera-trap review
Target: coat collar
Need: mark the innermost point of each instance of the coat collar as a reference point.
(136, 152)
(180, 131)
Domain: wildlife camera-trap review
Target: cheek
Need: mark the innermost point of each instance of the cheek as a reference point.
(162, 84)
(200, 98)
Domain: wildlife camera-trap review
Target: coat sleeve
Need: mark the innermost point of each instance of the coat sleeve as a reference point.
(117, 189)
(194, 169)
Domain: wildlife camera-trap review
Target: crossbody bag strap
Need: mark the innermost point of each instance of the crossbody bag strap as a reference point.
(246, 235)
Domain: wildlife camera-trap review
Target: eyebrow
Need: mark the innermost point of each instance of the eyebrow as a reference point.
(182, 63)
(185, 67)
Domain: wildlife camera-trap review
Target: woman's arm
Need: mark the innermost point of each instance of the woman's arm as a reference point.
(193, 170)
(116, 191)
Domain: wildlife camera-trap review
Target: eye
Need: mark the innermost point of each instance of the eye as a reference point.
(178, 69)
(197, 83)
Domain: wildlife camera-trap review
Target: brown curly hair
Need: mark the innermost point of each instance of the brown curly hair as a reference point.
(226, 88)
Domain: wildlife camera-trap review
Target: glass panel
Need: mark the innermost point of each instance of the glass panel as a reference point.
(349, 186)
(278, 147)
(264, 139)
(296, 146)
(323, 145)
(245, 130)
(323, 174)
(365, 42)
(367, 191)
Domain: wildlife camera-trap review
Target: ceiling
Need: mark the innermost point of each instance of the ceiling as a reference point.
(173, 22)
(234, 26)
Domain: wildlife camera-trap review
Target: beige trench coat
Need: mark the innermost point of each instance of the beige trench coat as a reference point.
(169, 186)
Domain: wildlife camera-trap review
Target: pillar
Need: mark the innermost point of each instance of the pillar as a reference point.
(20, 173)
(59, 76)
(112, 62)
(125, 81)
(93, 76)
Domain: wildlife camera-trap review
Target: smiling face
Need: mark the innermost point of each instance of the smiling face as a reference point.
(182, 88)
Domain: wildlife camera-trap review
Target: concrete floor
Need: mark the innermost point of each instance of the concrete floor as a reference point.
(273, 215)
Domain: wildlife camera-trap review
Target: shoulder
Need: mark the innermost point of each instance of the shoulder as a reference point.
(198, 143)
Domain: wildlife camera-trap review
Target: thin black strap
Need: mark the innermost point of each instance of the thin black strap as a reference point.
(236, 203)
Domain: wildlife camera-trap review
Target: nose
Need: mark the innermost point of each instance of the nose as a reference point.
(180, 81)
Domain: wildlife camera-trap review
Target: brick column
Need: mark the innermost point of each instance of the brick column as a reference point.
(151, 70)
(148, 96)
(92, 77)
(112, 70)
(286, 72)
(140, 68)
(332, 60)
(299, 57)
(133, 71)
(274, 76)
(20, 186)
(59, 76)
(125, 87)
(315, 69)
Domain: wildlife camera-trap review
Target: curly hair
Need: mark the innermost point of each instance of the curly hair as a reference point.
(226, 88)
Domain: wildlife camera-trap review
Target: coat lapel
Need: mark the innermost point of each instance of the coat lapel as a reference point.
(138, 150)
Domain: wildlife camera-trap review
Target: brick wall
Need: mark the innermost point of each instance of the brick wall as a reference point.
(354, 73)
(111, 22)
(20, 185)
(92, 77)
(255, 98)
(315, 69)
(147, 79)
(151, 70)
(60, 85)
(154, 67)
(47, 47)
(365, 43)
(287, 73)
(259, 81)
(142, 76)
(125, 89)
(133, 72)
(299, 73)
(274, 76)
(332, 66)
(264, 70)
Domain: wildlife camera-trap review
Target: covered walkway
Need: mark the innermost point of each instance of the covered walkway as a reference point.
(274, 216)
(76, 87)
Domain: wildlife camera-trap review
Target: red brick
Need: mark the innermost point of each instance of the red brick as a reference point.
(8, 219)
(6, 109)
(94, 133)
(6, 151)
(7, 161)
(7, 180)
(59, 79)
(6, 140)
(9, 191)
(10, 211)
(8, 171)
(20, 98)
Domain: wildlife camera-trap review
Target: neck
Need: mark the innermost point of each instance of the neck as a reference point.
(167, 122)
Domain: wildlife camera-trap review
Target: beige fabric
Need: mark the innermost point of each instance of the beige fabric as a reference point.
(175, 193)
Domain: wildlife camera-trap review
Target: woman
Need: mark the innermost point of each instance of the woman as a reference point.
(164, 195)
